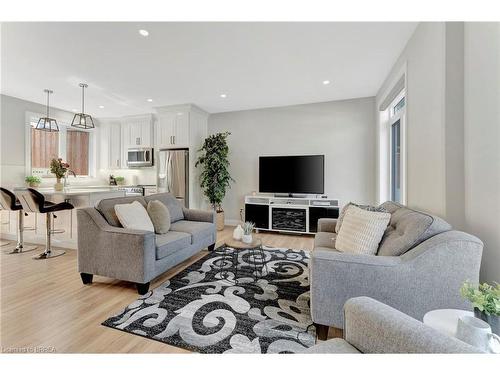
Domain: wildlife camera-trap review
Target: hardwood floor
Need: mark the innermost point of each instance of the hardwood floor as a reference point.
(44, 303)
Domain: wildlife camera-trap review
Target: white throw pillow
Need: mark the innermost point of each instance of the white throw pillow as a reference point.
(362, 231)
(134, 216)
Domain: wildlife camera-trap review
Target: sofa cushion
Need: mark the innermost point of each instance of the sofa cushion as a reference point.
(197, 229)
(325, 239)
(173, 205)
(407, 229)
(171, 242)
(366, 207)
(107, 208)
(134, 216)
(160, 216)
(362, 231)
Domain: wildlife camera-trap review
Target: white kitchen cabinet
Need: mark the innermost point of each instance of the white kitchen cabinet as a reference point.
(137, 131)
(110, 142)
(172, 129)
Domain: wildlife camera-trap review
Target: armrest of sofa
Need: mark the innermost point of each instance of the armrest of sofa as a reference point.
(327, 225)
(191, 214)
(114, 252)
(373, 327)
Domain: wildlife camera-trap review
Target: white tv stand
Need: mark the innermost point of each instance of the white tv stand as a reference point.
(292, 215)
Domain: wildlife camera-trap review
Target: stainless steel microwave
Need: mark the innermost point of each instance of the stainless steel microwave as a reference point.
(140, 157)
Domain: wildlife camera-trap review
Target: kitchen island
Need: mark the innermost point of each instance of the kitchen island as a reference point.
(65, 223)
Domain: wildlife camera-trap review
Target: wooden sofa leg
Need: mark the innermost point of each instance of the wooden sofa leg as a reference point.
(86, 278)
(142, 288)
(321, 331)
(211, 247)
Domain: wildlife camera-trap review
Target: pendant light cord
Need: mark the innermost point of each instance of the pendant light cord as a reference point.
(83, 98)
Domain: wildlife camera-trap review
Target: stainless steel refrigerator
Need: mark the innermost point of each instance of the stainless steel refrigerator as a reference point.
(173, 173)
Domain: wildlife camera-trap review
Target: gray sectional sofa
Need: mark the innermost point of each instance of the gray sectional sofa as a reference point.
(105, 248)
(373, 327)
(420, 266)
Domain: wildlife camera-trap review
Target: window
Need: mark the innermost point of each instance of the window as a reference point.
(73, 146)
(396, 118)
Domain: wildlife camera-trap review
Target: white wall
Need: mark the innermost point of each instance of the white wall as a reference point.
(344, 131)
(482, 141)
(424, 57)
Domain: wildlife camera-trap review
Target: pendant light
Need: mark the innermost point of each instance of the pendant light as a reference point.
(46, 123)
(81, 120)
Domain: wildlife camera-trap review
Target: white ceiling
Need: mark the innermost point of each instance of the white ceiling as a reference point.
(256, 64)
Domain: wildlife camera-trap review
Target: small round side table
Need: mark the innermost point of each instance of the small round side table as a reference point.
(445, 320)
(255, 247)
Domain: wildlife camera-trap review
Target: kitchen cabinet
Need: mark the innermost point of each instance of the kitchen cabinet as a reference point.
(173, 129)
(110, 143)
(137, 131)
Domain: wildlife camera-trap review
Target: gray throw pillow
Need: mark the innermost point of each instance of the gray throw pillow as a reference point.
(365, 207)
(160, 216)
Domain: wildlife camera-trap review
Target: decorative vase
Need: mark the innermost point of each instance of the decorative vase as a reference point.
(58, 186)
(246, 238)
(492, 320)
(238, 233)
(220, 220)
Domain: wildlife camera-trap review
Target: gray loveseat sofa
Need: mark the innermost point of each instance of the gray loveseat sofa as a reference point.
(420, 266)
(105, 248)
(373, 327)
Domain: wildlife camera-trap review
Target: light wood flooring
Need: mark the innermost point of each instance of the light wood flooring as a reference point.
(45, 305)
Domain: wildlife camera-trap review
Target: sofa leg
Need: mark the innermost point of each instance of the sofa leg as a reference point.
(86, 278)
(321, 331)
(142, 288)
(211, 247)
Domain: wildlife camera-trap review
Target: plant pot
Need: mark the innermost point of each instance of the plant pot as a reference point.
(121, 183)
(58, 186)
(33, 184)
(219, 220)
(246, 238)
(492, 320)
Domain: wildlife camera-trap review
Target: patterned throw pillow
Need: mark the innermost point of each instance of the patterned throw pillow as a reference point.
(362, 231)
(366, 207)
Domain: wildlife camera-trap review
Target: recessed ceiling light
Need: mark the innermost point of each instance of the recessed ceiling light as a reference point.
(150, 100)
(101, 106)
(326, 82)
(179, 113)
(143, 32)
(223, 95)
(74, 110)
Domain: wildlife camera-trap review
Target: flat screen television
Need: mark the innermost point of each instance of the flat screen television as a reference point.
(292, 174)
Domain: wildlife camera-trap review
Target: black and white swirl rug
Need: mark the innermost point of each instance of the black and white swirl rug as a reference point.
(199, 311)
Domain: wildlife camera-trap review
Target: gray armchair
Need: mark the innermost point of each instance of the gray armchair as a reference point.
(107, 249)
(373, 327)
(434, 263)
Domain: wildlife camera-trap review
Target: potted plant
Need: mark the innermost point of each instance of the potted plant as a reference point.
(248, 228)
(120, 180)
(33, 181)
(59, 168)
(485, 299)
(215, 177)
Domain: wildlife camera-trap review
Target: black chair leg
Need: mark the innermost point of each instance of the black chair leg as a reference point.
(142, 288)
(321, 331)
(86, 278)
(211, 247)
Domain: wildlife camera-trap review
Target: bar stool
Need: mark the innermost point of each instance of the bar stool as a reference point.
(33, 201)
(9, 202)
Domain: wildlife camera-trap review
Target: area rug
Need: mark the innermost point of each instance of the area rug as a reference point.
(201, 311)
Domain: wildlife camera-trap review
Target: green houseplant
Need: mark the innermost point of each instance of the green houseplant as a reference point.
(485, 299)
(33, 181)
(214, 176)
(120, 180)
